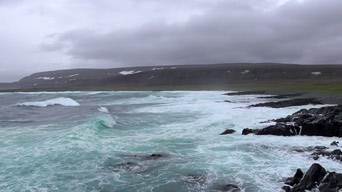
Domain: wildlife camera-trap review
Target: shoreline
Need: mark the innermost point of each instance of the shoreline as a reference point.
(325, 98)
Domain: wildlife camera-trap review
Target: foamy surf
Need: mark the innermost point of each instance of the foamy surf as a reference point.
(57, 101)
(103, 151)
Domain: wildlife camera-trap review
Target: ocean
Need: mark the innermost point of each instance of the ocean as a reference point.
(104, 141)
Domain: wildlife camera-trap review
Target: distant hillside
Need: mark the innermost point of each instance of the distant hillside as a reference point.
(217, 76)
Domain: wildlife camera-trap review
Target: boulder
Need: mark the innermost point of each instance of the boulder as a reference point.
(334, 143)
(295, 179)
(331, 183)
(317, 179)
(229, 188)
(228, 131)
(312, 178)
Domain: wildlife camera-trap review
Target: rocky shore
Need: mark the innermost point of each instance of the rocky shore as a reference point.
(325, 121)
(315, 179)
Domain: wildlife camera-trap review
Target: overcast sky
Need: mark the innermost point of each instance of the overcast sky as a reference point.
(40, 35)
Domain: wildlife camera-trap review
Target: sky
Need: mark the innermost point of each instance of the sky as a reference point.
(40, 35)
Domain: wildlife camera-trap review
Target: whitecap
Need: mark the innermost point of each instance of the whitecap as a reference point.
(103, 109)
(57, 101)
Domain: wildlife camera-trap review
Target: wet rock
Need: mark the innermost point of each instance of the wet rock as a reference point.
(228, 131)
(334, 143)
(325, 121)
(288, 103)
(312, 178)
(317, 178)
(331, 183)
(246, 93)
(247, 131)
(155, 156)
(229, 188)
(286, 188)
(315, 157)
(278, 129)
(295, 179)
(335, 155)
(227, 101)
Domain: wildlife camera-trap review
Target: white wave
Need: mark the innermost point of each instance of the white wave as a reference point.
(129, 72)
(316, 73)
(103, 109)
(107, 121)
(57, 101)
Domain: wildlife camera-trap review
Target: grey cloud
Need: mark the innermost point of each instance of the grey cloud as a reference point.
(38, 35)
(296, 32)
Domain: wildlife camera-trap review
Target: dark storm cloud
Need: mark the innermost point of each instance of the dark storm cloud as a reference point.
(235, 31)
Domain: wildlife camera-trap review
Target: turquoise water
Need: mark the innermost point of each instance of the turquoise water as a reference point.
(82, 141)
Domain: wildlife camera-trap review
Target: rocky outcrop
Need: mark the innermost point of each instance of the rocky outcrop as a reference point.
(315, 178)
(283, 96)
(246, 93)
(335, 154)
(228, 131)
(278, 129)
(325, 121)
(288, 103)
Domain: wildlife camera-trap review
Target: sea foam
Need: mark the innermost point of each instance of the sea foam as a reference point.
(57, 101)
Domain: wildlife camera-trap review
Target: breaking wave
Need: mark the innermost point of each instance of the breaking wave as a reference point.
(57, 101)
(103, 109)
(106, 121)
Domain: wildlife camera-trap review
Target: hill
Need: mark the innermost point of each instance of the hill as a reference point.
(239, 76)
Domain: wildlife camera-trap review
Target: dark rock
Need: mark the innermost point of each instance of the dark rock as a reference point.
(334, 143)
(286, 188)
(295, 179)
(335, 155)
(227, 101)
(312, 178)
(228, 131)
(246, 93)
(316, 157)
(325, 121)
(229, 188)
(288, 103)
(319, 151)
(331, 183)
(247, 131)
(278, 129)
(155, 156)
(318, 178)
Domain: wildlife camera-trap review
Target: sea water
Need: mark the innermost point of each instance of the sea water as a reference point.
(76, 141)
